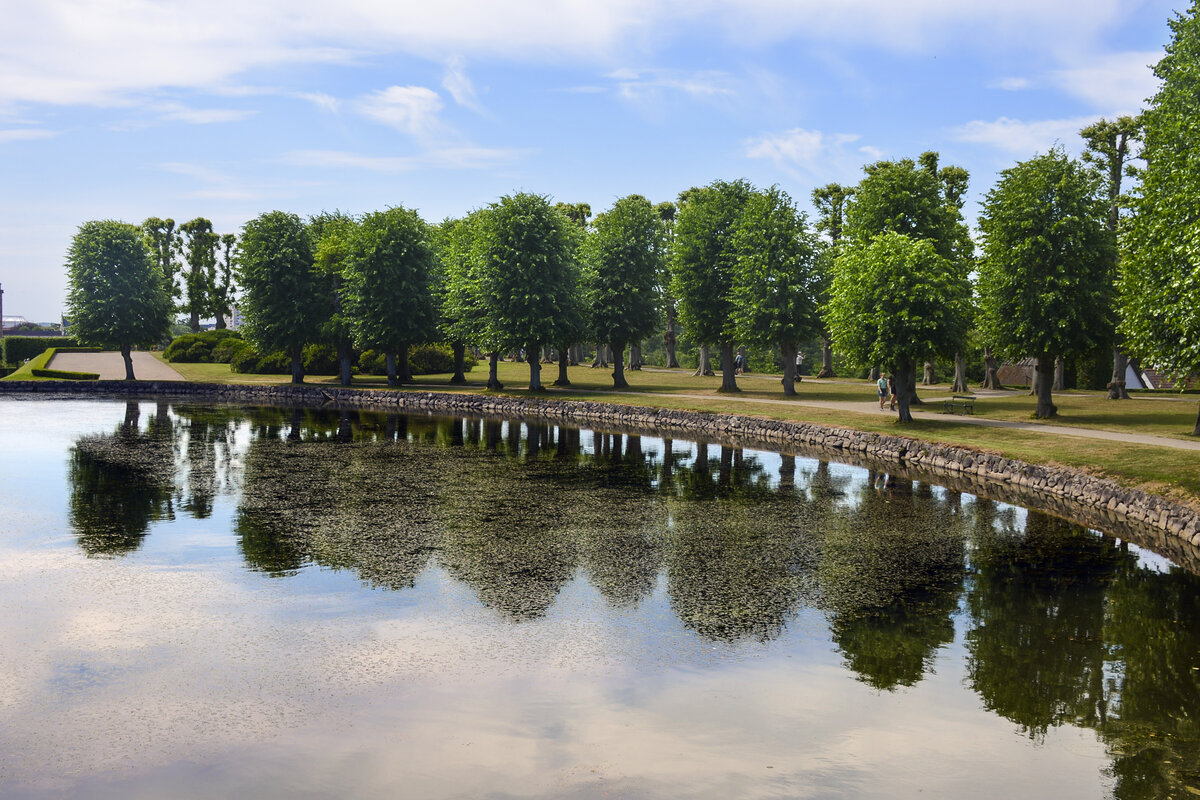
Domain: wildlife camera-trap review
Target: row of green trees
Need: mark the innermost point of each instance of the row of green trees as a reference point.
(197, 265)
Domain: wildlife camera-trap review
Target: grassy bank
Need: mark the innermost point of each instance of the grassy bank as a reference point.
(852, 404)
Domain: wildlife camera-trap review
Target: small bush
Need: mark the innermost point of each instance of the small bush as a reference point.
(320, 359)
(195, 348)
(423, 359)
(224, 351)
(247, 360)
(372, 363)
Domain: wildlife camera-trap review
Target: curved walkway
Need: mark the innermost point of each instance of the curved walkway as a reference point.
(111, 366)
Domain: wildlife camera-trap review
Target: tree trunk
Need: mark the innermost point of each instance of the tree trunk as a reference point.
(1117, 390)
(991, 370)
(576, 354)
(960, 374)
(460, 353)
(930, 378)
(220, 320)
(1196, 428)
(344, 373)
(618, 373)
(1060, 370)
(601, 359)
(194, 321)
(705, 367)
(564, 359)
(787, 471)
(128, 358)
(826, 358)
(904, 378)
(1044, 382)
(875, 373)
(635, 356)
(788, 351)
(403, 370)
(389, 357)
(493, 381)
(669, 338)
(728, 372)
(297, 366)
(535, 369)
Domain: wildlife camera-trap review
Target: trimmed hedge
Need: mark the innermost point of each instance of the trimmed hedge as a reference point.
(22, 348)
(195, 348)
(65, 375)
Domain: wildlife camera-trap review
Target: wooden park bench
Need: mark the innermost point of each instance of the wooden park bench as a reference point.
(959, 404)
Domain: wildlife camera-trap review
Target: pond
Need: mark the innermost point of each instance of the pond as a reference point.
(202, 601)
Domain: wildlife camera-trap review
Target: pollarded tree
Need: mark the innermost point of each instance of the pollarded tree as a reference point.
(1045, 279)
(703, 265)
(281, 300)
(199, 256)
(830, 201)
(527, 275)
(896, 300)
(666, 212)
(624, 259)
(118, 296)
(389, 297)
(1160, 255)
(221, 280)
(776, 285)
(162, 238)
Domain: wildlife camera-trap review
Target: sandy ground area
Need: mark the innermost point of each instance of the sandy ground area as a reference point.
(112, 367)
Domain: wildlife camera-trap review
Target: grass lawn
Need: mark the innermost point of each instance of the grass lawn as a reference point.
(1163, 470)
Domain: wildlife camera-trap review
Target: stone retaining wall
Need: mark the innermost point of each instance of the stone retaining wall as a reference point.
(1169, 528)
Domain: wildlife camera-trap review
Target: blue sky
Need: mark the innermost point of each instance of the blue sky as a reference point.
(126, 109)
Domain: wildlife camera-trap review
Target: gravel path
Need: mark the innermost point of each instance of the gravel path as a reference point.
(111, 366)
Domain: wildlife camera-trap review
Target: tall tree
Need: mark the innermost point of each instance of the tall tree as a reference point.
(703, 265)
(1109, 146)
(666, 212)
(388, 274)
(528, 274)
(896, 300)
(624, 259)
(117, 295)
(830, 201)
(280, 293)
(459, 293)
(162, 237)
(776, 286)
(221, 279)
(332, 236)
(200, 259)
(1160, 295)
(1045, 275)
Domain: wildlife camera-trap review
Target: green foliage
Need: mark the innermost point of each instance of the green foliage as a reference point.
(775, 284)
(224, 351)
(457, 288)
(199, 248)
(280, 301)
(21, 348)
(117, 296)
(528, 276)
(895, 300)
(1045, 276)
(248, 360)
(65, 375)
(320, 359)
(623, 261)
(704, 259)
(332, 236)
(1160, 264)
(388, 270)
(423, 359)
(198, 348)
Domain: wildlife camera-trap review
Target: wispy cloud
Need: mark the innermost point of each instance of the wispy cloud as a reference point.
(1118, 83)
(456, 82)
(177, 112)
(411, 109)
(25, 134)
(649, 84)
(325, 102)
(1010, 84)
(214, 184)
(812, 154)
(448, 158)
(1023, 138)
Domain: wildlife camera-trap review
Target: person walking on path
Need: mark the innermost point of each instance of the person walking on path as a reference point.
(882, 383)
(892, 391)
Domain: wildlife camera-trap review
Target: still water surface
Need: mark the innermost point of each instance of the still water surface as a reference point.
(205, 601)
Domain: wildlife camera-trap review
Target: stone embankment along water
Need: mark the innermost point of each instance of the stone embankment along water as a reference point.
(1164, 526)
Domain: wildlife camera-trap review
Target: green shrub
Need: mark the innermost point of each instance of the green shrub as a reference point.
(423, 359)
(320, 359)
(372, 363)
(224, 351)
(248, 360)
(65, 375)
(194, 348)
(21, 348)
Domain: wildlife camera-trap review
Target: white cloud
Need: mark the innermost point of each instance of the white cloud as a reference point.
(25, 134)
(651, 84)
(176, 112)
(1114, 84)
(456, 82)
(449, 158)
(411, 109)
(1023, 138)
(1010, 84)
(324, 102)
(808, 154)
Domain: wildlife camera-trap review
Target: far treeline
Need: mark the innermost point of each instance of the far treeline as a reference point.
(888, 275)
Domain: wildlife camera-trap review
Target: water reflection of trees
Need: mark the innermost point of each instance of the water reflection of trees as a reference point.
(1062, 626)
(120, 483)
